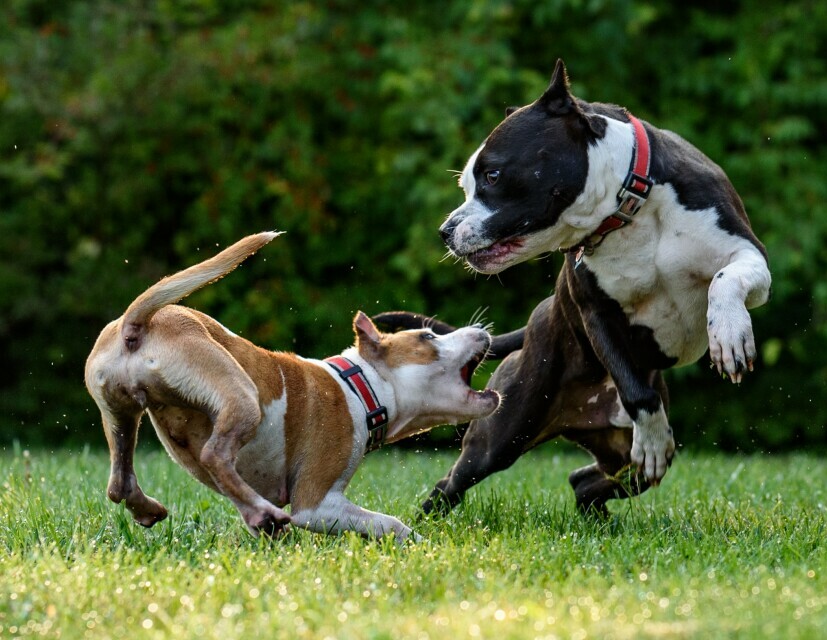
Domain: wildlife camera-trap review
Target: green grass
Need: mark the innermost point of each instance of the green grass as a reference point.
(727, 547)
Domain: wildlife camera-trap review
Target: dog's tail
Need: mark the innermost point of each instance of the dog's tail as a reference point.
(178, 286)
(394, 321)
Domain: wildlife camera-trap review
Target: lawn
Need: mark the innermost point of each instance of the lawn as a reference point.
(729, 546)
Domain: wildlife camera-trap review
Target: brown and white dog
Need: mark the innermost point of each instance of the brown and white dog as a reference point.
(264, 428)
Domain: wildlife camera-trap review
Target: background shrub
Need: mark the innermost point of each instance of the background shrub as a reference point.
(137, 137)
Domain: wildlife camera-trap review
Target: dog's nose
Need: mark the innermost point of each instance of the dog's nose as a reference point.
(446, 231)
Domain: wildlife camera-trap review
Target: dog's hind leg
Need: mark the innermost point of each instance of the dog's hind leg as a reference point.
(207, 375)
(121, 430)
(528, 382)
(234, 425)
(121, 403)
(612, 476)
(501, 345)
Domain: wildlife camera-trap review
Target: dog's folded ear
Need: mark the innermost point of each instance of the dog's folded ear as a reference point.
(557, 99)
(367, 335)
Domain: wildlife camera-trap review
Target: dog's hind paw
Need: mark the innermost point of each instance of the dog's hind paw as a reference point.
(438, 504)
(145, 511)
(151, 513)
(271, 522)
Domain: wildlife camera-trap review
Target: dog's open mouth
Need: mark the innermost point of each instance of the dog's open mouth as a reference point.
(495, 252)
(467, 374)
(467, 371)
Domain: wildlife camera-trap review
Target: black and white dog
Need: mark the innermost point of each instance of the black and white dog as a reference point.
(661, 264)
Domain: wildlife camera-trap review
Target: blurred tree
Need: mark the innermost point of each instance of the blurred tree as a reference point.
(138, 137)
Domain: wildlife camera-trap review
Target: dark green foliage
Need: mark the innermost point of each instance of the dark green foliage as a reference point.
(137, 137)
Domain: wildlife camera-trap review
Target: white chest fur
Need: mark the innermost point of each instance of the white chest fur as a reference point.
(262, 461)
(659, 269)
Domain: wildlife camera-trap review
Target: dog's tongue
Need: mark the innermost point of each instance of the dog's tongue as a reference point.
(465, 372)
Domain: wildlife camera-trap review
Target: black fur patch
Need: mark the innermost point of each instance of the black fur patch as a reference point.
(543, 163)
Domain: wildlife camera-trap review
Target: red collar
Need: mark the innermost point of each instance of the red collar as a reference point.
(377, 414)
(636, 188)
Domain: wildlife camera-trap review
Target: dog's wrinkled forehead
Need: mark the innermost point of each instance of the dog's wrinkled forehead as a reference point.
(524, 127)
(530, 168)
(526, 137)
(409, 347)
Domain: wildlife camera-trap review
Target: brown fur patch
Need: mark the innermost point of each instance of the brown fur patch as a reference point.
(260, 364)
(318, 432)
(409, 347)
(318, 428)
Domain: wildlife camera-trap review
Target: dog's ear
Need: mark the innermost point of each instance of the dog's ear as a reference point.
(557, 99)
(367, 336)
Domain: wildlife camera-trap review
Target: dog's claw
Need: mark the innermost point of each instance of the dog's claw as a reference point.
(731, 344)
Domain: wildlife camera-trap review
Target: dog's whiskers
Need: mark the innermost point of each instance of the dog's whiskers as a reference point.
(450, 254)
(478, 317)
(494, 275)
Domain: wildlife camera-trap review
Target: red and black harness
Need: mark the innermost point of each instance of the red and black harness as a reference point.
(377, 414)
(633, 193)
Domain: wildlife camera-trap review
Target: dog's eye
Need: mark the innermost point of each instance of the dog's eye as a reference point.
(428, 336)
(491, 177)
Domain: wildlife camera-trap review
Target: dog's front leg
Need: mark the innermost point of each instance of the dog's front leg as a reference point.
(741, 285)
(653, 444)
(335, 514)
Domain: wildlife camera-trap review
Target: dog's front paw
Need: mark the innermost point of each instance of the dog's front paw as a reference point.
(731, 342)
(411, 538)
(653, 445)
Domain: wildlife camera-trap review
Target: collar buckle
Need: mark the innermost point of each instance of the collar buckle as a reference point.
(377, 421)
(636, 188)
